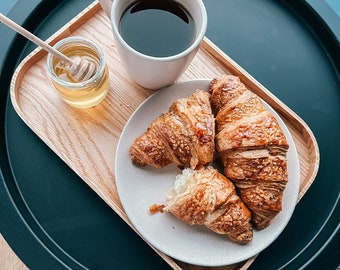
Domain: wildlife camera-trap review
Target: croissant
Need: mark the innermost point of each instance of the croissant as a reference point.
(252, 148)
(184, 135)
(206, 197)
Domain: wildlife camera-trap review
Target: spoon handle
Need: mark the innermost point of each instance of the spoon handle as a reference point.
(33, 38)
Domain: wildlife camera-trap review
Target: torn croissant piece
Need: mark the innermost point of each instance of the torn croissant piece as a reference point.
(252, 148)
(184, 135)
(206, 197)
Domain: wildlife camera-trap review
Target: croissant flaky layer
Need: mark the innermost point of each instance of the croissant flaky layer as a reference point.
(184, 135)
(252, 147)
(206, 197)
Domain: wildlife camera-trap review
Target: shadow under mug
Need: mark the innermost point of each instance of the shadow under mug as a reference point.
(157, 72)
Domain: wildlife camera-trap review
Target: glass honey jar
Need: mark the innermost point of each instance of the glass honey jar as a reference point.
(82, 94)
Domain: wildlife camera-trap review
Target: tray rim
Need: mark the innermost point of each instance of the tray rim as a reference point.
(282, 109)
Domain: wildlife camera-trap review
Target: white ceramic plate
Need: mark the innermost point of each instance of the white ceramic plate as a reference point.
(139, 188)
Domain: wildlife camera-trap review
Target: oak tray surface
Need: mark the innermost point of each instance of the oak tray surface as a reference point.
(81, 224)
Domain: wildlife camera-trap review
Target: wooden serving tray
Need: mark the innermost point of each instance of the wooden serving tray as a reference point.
(86, 139)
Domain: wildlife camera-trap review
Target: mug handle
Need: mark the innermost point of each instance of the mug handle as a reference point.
(106, 6)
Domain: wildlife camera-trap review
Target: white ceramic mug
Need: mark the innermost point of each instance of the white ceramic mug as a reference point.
(157, 72)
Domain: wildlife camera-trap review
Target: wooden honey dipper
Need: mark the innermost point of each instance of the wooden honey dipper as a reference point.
(78, 69)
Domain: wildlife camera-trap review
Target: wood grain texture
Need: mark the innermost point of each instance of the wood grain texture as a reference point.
(8, 259)
(86, 139)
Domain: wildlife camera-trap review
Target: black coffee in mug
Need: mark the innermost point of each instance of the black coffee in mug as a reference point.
(158, 28)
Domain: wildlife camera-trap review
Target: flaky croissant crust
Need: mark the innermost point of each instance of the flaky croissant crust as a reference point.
(206, 197)
(184, 135)
(252, 147)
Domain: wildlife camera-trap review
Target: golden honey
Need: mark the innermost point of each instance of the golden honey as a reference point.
(81, 94)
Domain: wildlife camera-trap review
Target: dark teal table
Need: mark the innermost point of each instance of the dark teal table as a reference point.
(53, 220)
